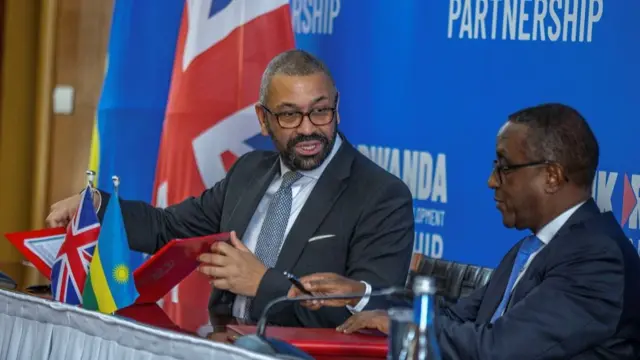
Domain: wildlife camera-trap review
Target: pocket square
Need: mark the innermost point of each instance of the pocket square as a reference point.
(320, 237)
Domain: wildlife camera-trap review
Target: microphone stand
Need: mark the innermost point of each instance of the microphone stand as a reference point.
(262, 322)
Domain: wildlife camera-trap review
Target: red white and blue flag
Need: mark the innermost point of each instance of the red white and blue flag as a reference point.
(69, 271)
(223, 48)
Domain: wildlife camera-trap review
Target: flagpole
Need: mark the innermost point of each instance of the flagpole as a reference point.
(116, 185)
(90, 177)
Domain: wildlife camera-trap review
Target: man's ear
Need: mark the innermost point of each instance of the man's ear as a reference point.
(556, 178)
(262, 119)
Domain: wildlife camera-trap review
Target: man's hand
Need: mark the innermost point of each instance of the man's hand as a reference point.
(376, 319)
(233, 267)
(328, 284)
(62, 212)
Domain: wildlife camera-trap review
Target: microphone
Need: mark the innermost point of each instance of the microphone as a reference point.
(6, 282)
(281, 349)
(262, 322)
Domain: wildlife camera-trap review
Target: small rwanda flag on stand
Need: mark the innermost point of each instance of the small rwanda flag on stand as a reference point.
(110, 284)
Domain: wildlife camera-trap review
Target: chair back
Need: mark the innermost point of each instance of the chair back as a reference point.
(453, 280)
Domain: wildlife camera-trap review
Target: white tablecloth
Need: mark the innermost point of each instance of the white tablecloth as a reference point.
(32, 328)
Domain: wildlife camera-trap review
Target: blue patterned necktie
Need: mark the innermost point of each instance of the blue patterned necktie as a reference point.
(275, 223)
(529, 246)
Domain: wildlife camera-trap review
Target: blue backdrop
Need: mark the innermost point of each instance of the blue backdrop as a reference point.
(425, 86)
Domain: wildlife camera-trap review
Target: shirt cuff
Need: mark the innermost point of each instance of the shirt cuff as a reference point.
(363, 301)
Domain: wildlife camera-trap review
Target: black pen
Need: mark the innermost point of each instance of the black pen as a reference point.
(296, 282)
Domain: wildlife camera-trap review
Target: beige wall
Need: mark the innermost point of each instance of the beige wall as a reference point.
(83, 33)
(43, 156)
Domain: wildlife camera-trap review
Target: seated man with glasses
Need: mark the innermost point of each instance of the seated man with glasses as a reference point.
(571, 288)
(314, 205)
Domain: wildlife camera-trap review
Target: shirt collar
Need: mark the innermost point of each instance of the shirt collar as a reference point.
(549, 231)
(315, 173)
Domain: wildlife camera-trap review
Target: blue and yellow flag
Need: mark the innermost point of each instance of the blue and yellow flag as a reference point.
(130, 114)
(110, 284)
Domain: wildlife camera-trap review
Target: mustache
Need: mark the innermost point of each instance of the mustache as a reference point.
(301, 138)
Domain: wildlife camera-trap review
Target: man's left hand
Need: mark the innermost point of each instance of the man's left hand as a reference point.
(233, 267)
(376, 319)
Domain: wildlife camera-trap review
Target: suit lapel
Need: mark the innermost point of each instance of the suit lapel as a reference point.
(584, 212)
(534, 268)
(255, 189)
(588, 210)
(330, 186)
(498, 285)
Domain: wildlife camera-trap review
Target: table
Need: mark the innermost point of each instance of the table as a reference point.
(228, 337)
(313, 338)
(225, 336)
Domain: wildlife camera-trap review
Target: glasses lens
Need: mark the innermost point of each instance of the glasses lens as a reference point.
(289, 120)
(294, 119)
(321, 116)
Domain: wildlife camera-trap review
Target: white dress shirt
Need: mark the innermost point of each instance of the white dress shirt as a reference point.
(300, 190)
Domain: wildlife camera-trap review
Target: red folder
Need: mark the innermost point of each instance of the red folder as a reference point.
(174, 262)
(323, 342)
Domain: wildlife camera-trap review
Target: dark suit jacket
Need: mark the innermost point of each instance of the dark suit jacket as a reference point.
(369, 211)
(579, 299)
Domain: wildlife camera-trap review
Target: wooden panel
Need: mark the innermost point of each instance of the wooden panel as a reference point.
(1, 47)
(17, 119)
(13, 269)
(81, 47)
(81, 37)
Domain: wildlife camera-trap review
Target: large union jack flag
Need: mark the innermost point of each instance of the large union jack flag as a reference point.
(69, 271)
(223, 48)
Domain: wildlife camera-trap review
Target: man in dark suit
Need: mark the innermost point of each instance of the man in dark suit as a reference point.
(568, 290)
(315, 205)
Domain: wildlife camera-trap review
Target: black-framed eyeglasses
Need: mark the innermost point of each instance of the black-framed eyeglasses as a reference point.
(503, 169)
(292, 119)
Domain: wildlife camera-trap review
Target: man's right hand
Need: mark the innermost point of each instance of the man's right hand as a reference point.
(62, 212)
(328, 284)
